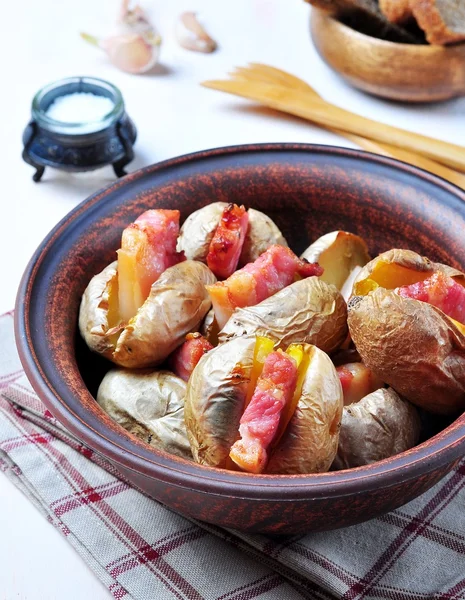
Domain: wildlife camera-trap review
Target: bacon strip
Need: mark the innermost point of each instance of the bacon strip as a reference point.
(441, 291)
(228, 239)
(260, 420)
(185, 358)
(273, 270)
(357, 381)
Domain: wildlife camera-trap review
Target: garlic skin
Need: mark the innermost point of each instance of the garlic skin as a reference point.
(191, 35)
(133, 20)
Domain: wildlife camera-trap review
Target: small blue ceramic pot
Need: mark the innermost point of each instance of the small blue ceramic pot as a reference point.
(78, 146)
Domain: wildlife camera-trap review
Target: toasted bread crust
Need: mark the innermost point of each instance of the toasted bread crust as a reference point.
(429, 18)
(396, 11)
(367, 11)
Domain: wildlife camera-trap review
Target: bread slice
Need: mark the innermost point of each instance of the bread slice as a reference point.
(443, 21)
(366, 16)
(339, 6)
(396, 11)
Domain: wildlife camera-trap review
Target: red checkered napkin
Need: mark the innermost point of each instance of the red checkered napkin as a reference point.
(142, 550)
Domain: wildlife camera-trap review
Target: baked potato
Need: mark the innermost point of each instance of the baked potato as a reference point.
(261, 234)
(199, 228)
(378, 426)
(408, 342)
(177, 303)
(215, 400)
(341, 254)
(307, 311)
(223, 381)
(148, 404)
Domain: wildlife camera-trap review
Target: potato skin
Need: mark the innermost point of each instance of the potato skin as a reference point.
(215, 397)
(261, 234)
(214, 405)
(308, 311)
(93, 312)
(413, 347)
(177, 303)
(148, 404)
(199, 227)
(310, 441)
(380, 425)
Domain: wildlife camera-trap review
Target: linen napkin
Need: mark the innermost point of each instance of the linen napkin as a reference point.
(140, 549)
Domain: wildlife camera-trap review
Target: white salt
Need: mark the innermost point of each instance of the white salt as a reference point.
(80, 107)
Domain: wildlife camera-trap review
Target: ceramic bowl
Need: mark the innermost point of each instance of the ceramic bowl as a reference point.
(406, 72)
(308, 190)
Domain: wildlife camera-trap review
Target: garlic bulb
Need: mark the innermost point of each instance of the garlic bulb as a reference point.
(191, 35)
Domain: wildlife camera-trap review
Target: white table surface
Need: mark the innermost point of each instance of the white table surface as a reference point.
(39, 43)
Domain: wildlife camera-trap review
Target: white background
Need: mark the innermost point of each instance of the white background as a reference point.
(39, 43)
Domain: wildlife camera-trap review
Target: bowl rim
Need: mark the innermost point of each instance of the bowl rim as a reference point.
(426, 49)
(444, 448)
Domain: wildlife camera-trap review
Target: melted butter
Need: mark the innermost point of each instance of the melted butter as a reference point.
(389, 276)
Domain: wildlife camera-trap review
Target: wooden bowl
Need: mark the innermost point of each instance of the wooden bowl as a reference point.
(308, 190)
(406, 72)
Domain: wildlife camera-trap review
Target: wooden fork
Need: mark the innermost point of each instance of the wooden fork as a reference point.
(272, 75)
(281, 90)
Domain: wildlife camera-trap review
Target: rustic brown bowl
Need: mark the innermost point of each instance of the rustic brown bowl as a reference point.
(406, 72)
(308, 190)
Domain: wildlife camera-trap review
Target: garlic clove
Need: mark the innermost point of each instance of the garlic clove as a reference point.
(132, 53)
(191, 35)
